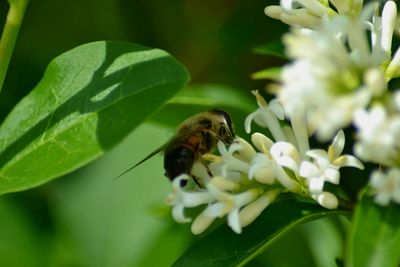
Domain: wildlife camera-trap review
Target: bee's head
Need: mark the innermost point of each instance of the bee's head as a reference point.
(225, 127)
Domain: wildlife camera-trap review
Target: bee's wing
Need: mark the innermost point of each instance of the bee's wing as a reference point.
(158, 150)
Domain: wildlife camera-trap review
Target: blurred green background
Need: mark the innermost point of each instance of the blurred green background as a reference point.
(88, 219)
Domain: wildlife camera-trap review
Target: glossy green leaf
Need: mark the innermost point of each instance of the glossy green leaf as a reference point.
(89, 99)
(223, 247)
(203, 97)
(317, 243)
(375, 235)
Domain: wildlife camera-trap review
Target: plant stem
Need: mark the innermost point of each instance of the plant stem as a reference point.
(10, 34)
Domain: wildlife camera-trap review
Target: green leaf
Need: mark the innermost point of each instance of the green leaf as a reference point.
(202, 97)
(375, 235)
(19, 234)
(315, 243)
(122, 222)
(89, 99)
(223, 247)
(270, 73)
(270, 49)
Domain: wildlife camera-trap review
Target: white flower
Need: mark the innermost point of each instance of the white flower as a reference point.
(389, 19)
(333, 75)
(386, 186)
(229, 204)
(378, 135)
(232, 161)
(286, 155)
(336, 69)
(310, 13)
(262, 169)
(247, 178)
(389, 16)
(180, 199)
(325, 166)
(267, 116)
(266, 167)
(245, 152)
(341, 65)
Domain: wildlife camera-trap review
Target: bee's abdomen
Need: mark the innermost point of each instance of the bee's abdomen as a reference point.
(178, 160)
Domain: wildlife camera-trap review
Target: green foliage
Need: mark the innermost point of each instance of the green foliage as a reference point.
(100, 221)
(18, 235)
(375, 235)
(89, 99)
(89, 219)
(270, 73)
(223, 247)
(270, 49)
(315, 243)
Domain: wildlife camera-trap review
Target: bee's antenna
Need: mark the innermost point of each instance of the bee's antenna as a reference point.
(140, 162)
(131, 168)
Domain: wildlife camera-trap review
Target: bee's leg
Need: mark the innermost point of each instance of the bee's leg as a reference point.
(197, 181)
(208, 170)
(204, 163)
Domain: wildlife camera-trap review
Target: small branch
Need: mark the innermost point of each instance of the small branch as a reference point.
(10, 33)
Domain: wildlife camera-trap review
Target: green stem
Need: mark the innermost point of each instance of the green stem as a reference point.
(10, 34)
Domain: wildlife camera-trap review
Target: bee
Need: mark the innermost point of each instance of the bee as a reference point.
(195, 137)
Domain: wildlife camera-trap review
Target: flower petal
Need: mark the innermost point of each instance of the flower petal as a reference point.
(215, 210)
(327, 200)
(234, 221)
(178, 214)
(194, 199)
(336, 148)
(348, 161)
(277, 108)
(249, 213)
(382, 199)
(261, 142)
(315, 7)
(289, 163)
(201, 223)
(234, 147)
(249, 119)
(308, 170)
(280, 149)
(316, 185)
(222, 149)
(223, 184)
(389, 14)
(319, 154)
(247, 152)
(265, 175)
(332, 175)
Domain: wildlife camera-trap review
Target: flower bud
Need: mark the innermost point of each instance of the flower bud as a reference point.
(201, 223)
(327, 200)
(249, 213)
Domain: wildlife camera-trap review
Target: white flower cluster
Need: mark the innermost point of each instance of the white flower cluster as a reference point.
(247, 178)
(339, 74)
(342, 63)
